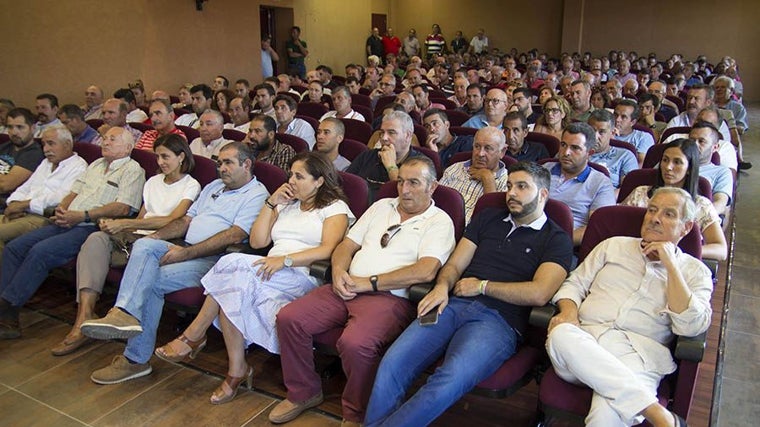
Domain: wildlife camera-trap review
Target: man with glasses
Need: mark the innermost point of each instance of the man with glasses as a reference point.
(495, 108)
(385, 87)
(398, 242)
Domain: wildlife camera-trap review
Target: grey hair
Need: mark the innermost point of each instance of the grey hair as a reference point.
(62, 134)
(406, 121)
(689, 209)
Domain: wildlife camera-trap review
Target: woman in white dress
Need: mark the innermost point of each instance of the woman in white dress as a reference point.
(679, 167)
(305, 218)
(166, 197)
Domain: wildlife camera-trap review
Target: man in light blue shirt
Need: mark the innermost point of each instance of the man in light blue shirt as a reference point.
(618, 161)
(494, 110)
(574, 182)
(626, 114)
(720, 177)
(175, 257)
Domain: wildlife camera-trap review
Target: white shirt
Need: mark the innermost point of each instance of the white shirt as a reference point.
(478, 45)
(160, 198)
(136, 116)
(210, 151)
(682, 120)
(40, 127)
(617, 287)
(47, 187)
(429, 234)
(351, 115)
(190, 119)
(726, 150)
(240, 128)
(302, 129)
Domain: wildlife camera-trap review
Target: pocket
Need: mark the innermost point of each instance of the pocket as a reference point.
(109, 193)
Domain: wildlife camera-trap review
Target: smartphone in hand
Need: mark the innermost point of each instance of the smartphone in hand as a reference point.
(431, 318)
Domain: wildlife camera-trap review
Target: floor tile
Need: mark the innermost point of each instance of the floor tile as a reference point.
(183, 400)
(744, 281)
(68, 387)
(24, 358)
(742, 356)
(744, 315)
(19, 410)
(3, 389)
(739, 406)
(307, 419)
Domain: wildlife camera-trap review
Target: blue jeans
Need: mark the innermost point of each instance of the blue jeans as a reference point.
(476, 341)
(144, 285)
(28, 259)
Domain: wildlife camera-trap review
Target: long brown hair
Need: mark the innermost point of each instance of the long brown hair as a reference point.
(318, 165)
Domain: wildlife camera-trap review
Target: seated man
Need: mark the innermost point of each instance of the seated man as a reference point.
(484, 173)
(93, 103)
(493, 285)
(266, 147)
(211, 141)
(329, 136)
(50, 182)
(264, 97)
(341, 99)
(221, 216)
(626, 114)
(440, 139)
(239, 107)
(515, 127)
(422, 99)
(110, 187)
(620, 309)
(618, 161)
(162, 119)
(494, 110)
(20, 156)
(134, 114)
(46, 107)
(202, 96)
(385, 87)
(381, 165)
(522, 99)
(574, 182)
(395, 244)
(72, 117)
(287, 122)
(720, 177)
(475, 95)
(648, 105)
(115, 115)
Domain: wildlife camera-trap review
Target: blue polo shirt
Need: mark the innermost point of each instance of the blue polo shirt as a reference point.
(459, 144)
(504, 254)
(618, 161)
(88, 135)
(586, 192)
(478, 122)
(217, 210)
(642, 140)
(720, 177)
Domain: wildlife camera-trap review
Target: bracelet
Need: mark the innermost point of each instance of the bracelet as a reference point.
(269, 204)
(483, 284)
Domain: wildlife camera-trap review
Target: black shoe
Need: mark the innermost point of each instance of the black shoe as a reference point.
(10, 330)
(744, 166)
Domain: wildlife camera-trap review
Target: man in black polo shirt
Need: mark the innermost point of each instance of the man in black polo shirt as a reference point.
(508, 261)
(380, 165)
(515, 127)
(20, 156)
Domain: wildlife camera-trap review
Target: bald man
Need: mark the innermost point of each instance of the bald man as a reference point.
(93, 103)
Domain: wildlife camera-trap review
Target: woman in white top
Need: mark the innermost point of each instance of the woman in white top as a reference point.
(305, 218)
(679, 167)
(166, 197)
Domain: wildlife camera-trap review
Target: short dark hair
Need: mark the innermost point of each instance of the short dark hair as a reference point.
(584, 129)
(325, 68)
(701, 124)
(424, 160)
(273, 80)
(22, 112)
(290, 102)
(270, 125)
(124, 94)
(646, 96)
(245, 152)
(225, 79)
(442, 114)
(50, 97)
(540, 174)
(528, 92)
(709, 89)
(266, 87)
(601, 116)
(352, 79)
(516, 115)
(206, 89)
(421, 86)
(177, 144)
(71, 111)
(630, 103)
(243, 81)
(478, 87)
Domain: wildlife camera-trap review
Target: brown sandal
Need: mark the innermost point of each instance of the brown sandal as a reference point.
(167, 352)
(228, 390)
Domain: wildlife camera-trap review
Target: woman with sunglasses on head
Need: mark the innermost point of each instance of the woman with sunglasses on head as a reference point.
(679, 167)
(305, 219)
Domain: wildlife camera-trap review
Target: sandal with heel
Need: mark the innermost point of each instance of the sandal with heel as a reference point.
(229, 388)
(168, 353)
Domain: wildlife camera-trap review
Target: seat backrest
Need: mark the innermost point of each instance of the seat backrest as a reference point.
(609, 221)
(356, 191)
(557, 211)
(648, 177)
(94, 123)
(461, 130)
(646, 129)
(359, 99)
(421, 133)
(674, 130)
(89, 152)
(446, 198)
(447, 103)
(142, 127)
(147, 160)
(676, 100)
(463, 156)
(351, 148)
(381, 103)
(310, 120)
(270, 175)
(4, 138)
(312, 109)
(190, 133)
(364, 111)
(432, 155)
(205, 170)
(550, 142)
(625, 145)
(357, 130)
(233, 135)
(298, 144)
(456, 117)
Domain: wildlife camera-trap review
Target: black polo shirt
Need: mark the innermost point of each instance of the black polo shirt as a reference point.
(368, 166)
(531, 151)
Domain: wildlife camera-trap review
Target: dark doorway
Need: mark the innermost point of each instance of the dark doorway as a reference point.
(277, 21)
(380, 21)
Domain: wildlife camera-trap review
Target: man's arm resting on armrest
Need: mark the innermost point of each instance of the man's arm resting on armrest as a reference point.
(424, 270)
(173, 230)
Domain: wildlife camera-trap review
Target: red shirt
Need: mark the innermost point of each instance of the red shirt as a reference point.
(391, 45)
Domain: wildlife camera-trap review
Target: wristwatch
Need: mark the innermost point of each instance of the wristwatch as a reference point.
(87, 218)
(288, 262)
(373, 281)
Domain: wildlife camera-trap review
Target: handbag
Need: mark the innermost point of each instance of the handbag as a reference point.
(122, 247)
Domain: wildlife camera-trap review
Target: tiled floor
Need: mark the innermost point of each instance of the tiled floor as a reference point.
(38, 389)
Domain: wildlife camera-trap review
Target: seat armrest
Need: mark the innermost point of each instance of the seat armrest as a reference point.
(244, 248)
(713, 266)
(540, 316)
(691, 349)
(322, 270)
(417, 292)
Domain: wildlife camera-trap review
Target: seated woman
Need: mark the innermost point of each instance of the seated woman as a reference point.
(555, 118)
(166, 197)
(679, 167)
(305, 218)
(599, 99)
(544, 93)
(221, 101)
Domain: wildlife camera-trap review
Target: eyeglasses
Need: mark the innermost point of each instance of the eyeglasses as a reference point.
(552, 110)
(389, 233)
(495, 101)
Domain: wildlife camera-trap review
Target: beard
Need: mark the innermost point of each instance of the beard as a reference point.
(261, 146)
(527, 208)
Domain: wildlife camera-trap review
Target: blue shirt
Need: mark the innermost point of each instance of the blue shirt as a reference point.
(478, 122)
(586, 192)
(217, 210)
(88, 135)
(642, 140)
(618, 162)
(459, 144)
(720, 178)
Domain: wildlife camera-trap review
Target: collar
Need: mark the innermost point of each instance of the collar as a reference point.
(609, 154)
(430, 211)
(537, 224)
(557, 171)
(213, 143)
(499, 172)
(116, 164)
